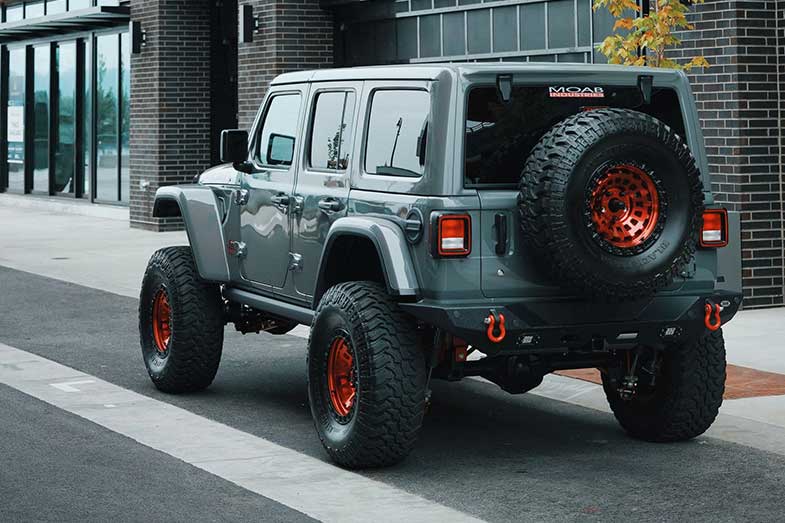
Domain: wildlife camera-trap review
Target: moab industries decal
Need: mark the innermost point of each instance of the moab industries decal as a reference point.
(576, 92)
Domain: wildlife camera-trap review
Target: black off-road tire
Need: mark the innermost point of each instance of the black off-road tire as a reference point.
(389, 368)
(554, 203)
(686, 398)
(190, 361)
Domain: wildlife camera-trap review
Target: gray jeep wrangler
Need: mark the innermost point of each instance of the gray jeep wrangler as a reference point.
(416, 217)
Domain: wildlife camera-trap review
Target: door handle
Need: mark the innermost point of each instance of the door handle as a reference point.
(330, 204)
(500, 221)
(281, 200)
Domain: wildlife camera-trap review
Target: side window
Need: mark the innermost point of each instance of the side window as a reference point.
(332, 132)
(397, 130)
(277, 139)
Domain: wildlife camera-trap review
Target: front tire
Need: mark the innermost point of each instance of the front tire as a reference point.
(686, 397)
(181, 325)
(366, 376)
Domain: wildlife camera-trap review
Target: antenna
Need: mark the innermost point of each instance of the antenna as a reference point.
(395, 143)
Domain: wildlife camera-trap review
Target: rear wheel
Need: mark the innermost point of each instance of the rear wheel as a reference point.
(366, 376)
(684, 399)
(180, 323)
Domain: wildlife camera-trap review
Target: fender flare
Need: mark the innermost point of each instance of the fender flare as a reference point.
(391, 247)
(202, 216)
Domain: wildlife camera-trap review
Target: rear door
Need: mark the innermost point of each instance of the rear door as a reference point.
(322, 185)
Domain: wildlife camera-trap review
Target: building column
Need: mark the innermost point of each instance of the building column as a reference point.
(294, 35)
(741, 109)
(170, 102)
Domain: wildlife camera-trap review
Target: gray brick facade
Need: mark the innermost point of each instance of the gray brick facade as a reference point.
(293, 35)
(170, 102)
(740, 104)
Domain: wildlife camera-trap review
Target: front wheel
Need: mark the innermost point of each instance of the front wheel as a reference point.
(181, 325)
(366, 376)
(684, 399)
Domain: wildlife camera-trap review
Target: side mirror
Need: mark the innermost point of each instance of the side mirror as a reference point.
(234, 146)
(280, 149)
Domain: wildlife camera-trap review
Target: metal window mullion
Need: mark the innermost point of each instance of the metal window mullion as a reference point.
(465, 32)
(441, 35)
(119, 141)
(591, 33)
(547, 35)
(418, 38)
(4, 77)
(575, 20)
(29, 119)
(518, 26)
(93, 79)
(54, 112)
(490, 21)
(79, 172)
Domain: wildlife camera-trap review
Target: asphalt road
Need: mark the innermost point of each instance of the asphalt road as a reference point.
(486, 453)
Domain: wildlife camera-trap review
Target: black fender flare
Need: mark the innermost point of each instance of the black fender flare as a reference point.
(201, 212)
(391, 246)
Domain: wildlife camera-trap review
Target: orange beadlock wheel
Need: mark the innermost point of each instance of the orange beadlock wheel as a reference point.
(340, 377)
(625, 206)
(162, 317)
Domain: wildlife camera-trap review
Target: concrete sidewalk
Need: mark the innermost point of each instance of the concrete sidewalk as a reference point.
(108, 255)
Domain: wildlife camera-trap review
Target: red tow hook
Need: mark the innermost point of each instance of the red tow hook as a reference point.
(491, 322)
(713, 324)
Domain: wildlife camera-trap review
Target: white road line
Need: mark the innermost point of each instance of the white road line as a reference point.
(70, 385)
(298, 481)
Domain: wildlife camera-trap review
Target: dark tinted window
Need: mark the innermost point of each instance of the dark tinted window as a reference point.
(500, 137)
(396, 133)
(332, 132)
(277, 139)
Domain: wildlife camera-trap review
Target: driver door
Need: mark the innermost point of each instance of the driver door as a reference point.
(265, 224)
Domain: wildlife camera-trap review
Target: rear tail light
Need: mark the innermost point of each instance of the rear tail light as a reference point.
(454, 235)
(714, 232)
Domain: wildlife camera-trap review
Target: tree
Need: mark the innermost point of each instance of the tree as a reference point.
(653, 32)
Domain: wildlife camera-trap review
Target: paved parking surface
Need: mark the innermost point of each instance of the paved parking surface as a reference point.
(482, 452)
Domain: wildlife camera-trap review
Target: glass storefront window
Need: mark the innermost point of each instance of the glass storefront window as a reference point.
(107, 55)
(34, 9)
(41, 118)
(74, 5)
(16, 119)
(125, 117)
(64, 175)
(14, 12)
(55, 6)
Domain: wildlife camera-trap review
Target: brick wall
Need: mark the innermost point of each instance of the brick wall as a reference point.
(294, 35)
(741, 113)
(170, 102)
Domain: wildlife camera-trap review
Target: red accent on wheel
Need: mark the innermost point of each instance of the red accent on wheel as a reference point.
(340, 376)
(625, 206)
(162, 317)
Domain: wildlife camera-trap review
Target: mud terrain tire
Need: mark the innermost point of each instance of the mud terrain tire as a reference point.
(611, 204)
(686, 397)
(183, 356)
(377, 421)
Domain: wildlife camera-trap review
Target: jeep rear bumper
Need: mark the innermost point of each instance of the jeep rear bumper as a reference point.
(538, 324)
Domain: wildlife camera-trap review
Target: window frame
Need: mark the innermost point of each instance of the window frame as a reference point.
(366, 131)
(308, 166)
(256, 149)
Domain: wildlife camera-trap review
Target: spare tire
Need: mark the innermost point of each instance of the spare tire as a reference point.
(611, 202)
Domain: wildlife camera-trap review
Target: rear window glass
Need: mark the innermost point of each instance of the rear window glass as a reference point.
(500, 137)
(331, 136)
(396, 133)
